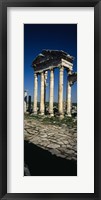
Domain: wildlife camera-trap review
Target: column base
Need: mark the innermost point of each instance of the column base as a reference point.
(61, 116)
(68, 115)
(35, 113)
(51, 114)
(41, 113)
(26, 112)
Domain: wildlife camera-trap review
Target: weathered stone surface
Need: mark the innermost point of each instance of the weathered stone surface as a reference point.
(61, 141)
(53, 146)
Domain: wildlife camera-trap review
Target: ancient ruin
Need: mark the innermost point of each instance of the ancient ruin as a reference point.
(49, 60)
(25, 101)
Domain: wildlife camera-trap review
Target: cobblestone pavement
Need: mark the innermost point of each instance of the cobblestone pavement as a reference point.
(59, 140)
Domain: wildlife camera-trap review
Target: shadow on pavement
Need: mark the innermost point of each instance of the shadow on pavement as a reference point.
(41, 162)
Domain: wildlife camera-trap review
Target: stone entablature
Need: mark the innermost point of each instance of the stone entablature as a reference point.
(51, 59)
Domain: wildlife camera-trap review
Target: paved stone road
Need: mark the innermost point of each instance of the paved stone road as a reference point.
(59, 140)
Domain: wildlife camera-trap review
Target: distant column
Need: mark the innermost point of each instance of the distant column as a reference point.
(35, 94)
(25, 101)
(69, 103)
(60, 101)
(25, 107)
(29, 104)
(51, 98)
(42, 106)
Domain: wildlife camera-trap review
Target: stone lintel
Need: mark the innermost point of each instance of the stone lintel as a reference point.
(54, 64)
(47, 68)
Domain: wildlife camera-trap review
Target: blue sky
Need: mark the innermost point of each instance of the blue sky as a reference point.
(54, 37)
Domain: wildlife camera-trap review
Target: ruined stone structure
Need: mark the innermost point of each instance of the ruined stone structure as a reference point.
(25, 101)
(49, 60)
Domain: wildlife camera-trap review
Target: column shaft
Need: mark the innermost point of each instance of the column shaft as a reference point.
(60, 102)
(42, 106)
(69, 103)
(51, 100)
(35, 94)
(25, 107)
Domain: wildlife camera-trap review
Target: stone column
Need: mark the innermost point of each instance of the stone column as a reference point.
(51, 99)
(45, 85)
(69, 103)
(29, 104)
(42, 106)
(25, 107)
(35, 93)
(60, 101)
(25, 101)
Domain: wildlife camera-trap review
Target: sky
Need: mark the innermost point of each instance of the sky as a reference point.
(53, 37)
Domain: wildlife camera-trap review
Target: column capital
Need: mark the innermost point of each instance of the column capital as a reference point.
(42, 72)
(46, 73)
(51, 69)
(69, 72)
(72, 78)
(35, 74)
(61, 68)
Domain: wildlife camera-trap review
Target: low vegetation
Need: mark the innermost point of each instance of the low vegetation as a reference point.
(69, 121)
